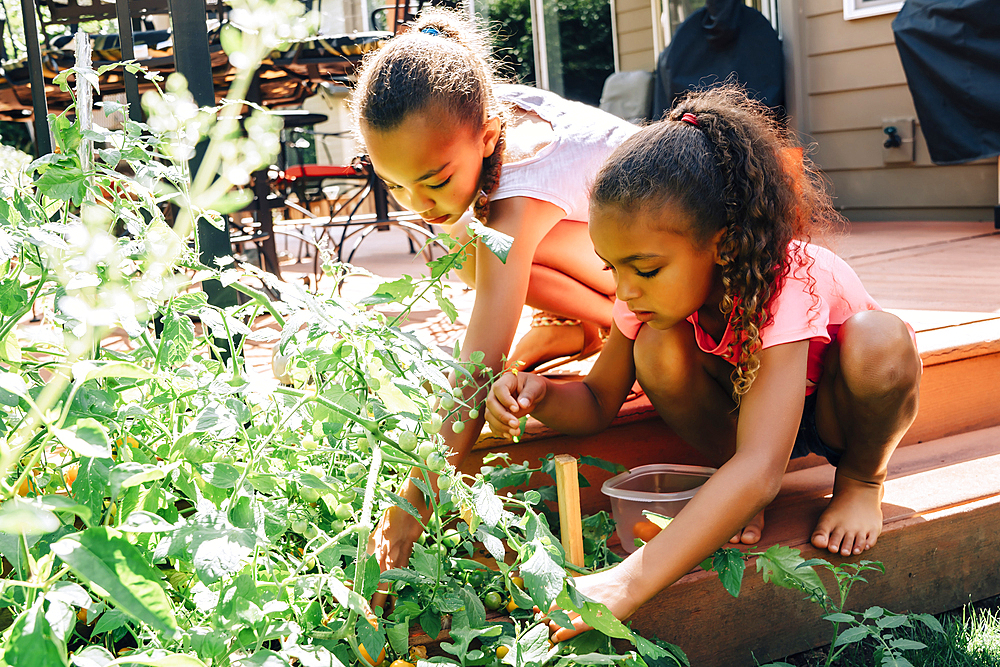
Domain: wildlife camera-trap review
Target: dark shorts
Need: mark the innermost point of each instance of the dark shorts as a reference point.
(808, 441)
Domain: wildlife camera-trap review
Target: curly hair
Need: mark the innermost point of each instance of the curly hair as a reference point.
(441, 62)
(734, 169)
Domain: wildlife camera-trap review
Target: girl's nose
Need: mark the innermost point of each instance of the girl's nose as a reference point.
(625, 290)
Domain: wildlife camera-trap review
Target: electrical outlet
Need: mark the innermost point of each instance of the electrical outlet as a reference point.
(897, 140)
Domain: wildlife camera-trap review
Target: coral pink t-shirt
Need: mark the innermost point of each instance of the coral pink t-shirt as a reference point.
(800, 313)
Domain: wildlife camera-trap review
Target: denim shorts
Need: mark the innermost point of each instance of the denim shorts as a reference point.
(808, 441)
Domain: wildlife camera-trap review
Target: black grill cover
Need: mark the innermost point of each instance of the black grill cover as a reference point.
(951, 55)
(723, 38)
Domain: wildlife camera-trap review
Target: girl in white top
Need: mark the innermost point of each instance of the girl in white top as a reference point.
(445, 137)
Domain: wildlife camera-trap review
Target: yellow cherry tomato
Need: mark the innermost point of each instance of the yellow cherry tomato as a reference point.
(517, 581)
(368, 658)
(502, 651)
(511, 605)
(401, 663)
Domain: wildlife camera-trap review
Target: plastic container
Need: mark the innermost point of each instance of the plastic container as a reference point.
(660, 487)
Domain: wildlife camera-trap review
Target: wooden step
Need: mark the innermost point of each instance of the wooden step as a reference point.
(959, 393)
(939, 544)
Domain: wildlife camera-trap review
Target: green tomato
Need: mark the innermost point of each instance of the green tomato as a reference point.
(407, 441)
(426, 449)
(355, 470)
(308, 443)
(447, 402)
(198, 452)
(300, 525)
(444, 483)
(317, 430)
(474, 413)
(309, 494)
(476, 578)
(344, 511)
(311, 532)
(457, 426)
(373, 382)
(432, 426)
(493, 601)
(436, 461)
(457, 391)
(316, 471)
(451, 538)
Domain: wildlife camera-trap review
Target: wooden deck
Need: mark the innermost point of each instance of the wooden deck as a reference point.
(939, 544)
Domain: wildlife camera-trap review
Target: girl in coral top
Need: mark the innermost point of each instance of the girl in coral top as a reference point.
(753, 344)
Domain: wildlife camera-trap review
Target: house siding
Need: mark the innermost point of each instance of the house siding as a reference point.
(844, 78)
(634, 22)
(853, 80)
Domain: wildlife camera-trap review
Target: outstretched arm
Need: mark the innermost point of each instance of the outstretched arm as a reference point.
(769, 417)
(576, 408)
(501, 289)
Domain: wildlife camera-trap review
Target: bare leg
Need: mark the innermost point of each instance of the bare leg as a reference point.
(567, 279)
(691, 391)
(866, 401)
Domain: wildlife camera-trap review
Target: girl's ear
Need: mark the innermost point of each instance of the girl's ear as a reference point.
(491, 135)
(717, 246)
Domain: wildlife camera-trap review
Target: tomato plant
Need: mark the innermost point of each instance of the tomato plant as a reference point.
(158, 500)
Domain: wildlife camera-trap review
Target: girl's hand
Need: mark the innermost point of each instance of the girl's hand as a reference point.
(511, 397)
(605, 587)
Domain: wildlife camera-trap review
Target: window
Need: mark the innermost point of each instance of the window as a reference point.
(856, 9)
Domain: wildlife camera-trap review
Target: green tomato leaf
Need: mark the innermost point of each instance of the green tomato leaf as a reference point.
(27, 517)
(498, 242)
(91, 483)
(782, 566)
(487, 505)
(839, 617)
(906, 645)
(86, 438)
(31, 640)
(430, 623)
(398, 635)
(730, 565)
(932, 623)
(89, 370)
(261, 658)
(542, 576)
(101, 556)
(851, 636)
(890, 622)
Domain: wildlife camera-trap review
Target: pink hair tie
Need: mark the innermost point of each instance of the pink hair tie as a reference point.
(690, 118)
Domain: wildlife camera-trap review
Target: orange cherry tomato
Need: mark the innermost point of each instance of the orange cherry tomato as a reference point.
(502, 651)
(511, 605)
(368, 658)
(401, 663)
(69, 474)
(645, 530)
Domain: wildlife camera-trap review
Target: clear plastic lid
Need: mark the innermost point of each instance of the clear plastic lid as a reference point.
(657, 482)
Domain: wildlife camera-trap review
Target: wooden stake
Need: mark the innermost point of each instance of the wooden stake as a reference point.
(570, 521)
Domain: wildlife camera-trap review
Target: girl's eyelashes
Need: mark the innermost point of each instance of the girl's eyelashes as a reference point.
(441, 184)
(646, 274)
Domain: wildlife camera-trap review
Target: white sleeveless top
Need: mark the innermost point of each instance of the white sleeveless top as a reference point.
(563, 171)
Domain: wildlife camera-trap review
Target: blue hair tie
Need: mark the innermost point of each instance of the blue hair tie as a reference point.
(433, 32)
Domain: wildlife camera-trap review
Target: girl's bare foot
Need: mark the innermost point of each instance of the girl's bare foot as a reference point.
(551, 337)
(751, 532)
(852, 521)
